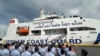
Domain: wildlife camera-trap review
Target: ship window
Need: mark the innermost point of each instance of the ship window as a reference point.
(18, 28)
(75, 16)
(0, 39)
(81, 17)
(87, 36)
(71, 29)
(36, 32)
(80, 37)
(74, 20)
(53, 18)
(84, 20)
(71, 36)
(81, 28)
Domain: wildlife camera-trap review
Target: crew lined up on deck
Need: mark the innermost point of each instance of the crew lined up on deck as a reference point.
(19, 49)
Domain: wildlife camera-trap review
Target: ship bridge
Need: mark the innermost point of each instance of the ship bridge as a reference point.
(46, 16)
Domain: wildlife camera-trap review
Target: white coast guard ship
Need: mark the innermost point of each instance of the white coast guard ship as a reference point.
(54, 28)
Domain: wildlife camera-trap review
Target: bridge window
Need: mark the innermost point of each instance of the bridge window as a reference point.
(0, 39)
(87, 36)
(81, 28)
(36, 32)
(80, 37)
(52, 17)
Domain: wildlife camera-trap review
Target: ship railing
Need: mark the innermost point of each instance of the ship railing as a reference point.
(58, 37)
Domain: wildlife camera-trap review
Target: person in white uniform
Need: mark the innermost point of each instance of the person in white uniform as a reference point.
(33, 49)
(12, 47)
(71, 53)
(36, 52)
(15, 52)
(20, 48)
(0, 52)
(62, 52)
(26, 52)
(46, 48)
(49, 52)
(5, 51)
(66, 50)
(42, 50)
(53, 50)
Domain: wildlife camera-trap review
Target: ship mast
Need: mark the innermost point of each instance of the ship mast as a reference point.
(42, 13)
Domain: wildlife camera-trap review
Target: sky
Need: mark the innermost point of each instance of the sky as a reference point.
(26, 10)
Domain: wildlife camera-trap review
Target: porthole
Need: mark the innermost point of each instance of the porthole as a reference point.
(72, 37)
(75, 21)
(84, 20)
(87, 36)
(81, 17)
(80, 37)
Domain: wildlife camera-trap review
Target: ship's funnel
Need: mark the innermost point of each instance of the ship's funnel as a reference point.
(14, 21)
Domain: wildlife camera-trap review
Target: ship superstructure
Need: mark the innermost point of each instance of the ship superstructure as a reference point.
(54, 28)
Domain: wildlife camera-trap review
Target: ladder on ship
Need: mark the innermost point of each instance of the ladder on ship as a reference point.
(60, 37)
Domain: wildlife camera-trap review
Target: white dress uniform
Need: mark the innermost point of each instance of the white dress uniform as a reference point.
(12, 48)
(71, 53)
(42, 51)
(33, 49)
(46, 49)
(49, 54)
(0, 52)
(66, 50)
(15, 53)
(26, 53)
(53, 50)
(35, 54)
(5, 52)
(57, 51)
(63, 55)
(20, 49)
(23, 47)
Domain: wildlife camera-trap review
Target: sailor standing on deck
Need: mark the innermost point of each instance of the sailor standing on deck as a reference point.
(26, 52)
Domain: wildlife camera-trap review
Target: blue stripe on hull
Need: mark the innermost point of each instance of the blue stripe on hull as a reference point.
(98, 39)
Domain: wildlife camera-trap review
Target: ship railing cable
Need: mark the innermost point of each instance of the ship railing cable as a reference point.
(59, 37)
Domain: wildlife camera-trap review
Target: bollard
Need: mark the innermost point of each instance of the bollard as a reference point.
(84, 52)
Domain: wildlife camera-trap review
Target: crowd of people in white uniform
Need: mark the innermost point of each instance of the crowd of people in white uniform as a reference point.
(20, 49)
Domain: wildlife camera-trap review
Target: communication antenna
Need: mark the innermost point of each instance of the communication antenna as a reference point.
(73, 12)
(63, 16)
(53, 12)
(2, 34)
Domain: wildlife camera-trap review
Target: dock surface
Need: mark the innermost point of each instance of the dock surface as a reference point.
(93, 51)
